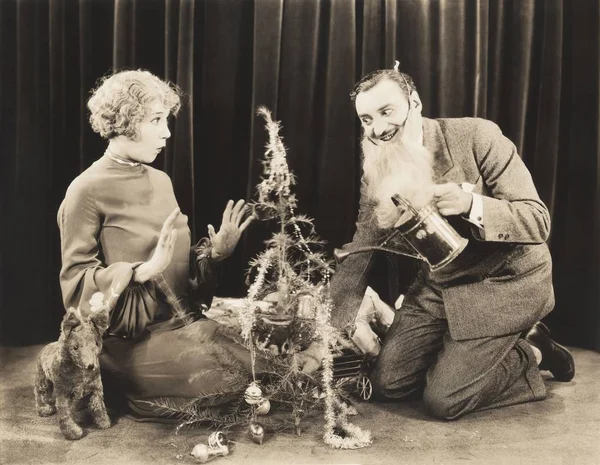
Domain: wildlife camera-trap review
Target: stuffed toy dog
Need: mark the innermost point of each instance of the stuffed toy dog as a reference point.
(68, 371)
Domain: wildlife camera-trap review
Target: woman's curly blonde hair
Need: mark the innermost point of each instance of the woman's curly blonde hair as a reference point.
(121, 101)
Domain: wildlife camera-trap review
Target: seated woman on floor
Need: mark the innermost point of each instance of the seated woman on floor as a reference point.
(123, 235)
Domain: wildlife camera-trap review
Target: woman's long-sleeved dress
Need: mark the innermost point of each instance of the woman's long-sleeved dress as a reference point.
(110, 221)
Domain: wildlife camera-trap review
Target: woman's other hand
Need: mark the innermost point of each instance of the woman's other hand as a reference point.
(163, 253)
(224, 242)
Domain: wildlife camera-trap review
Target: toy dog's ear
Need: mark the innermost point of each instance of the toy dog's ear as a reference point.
(100, 319)
(70, 321)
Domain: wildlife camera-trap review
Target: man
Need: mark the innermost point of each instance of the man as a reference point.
(458, 338)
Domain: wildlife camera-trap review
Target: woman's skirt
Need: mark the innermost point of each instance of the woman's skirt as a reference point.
(170, 366)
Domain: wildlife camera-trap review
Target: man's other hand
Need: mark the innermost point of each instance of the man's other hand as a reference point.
(310, 359)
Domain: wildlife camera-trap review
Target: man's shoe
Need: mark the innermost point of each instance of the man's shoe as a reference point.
(555, 358)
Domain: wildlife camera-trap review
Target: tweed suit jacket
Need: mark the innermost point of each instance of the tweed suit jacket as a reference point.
(502, 282)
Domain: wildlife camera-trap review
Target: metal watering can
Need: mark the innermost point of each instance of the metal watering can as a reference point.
(427, 232)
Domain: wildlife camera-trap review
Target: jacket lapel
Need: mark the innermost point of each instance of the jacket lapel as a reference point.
(435, 142)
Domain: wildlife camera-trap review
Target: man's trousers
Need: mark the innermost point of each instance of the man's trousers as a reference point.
(419, 357)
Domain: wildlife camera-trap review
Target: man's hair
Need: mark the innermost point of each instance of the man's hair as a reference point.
(122, 100)
(370, 80)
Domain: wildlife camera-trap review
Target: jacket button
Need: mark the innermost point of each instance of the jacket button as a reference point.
(500, 236)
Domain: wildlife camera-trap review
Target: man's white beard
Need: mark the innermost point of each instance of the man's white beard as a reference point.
(396, 168)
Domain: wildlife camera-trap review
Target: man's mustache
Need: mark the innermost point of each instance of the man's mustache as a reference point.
(385, 134)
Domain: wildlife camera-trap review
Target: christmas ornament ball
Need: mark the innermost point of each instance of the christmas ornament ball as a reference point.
(263, 407)
(253, 394)
(256, 432)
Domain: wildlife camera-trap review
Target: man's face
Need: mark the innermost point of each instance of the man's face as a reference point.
(153, 131)
(383, 111)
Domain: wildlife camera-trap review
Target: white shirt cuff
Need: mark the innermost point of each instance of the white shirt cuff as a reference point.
(476, 215)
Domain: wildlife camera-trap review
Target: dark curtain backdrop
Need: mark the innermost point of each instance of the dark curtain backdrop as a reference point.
(530, 66)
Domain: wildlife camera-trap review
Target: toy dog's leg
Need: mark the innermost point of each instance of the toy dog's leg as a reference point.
(69, 428)
(44, 398)
(98, 410)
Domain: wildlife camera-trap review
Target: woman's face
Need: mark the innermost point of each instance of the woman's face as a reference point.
(154, 132)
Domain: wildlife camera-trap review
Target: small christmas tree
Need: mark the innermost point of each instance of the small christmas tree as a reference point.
(293, 273)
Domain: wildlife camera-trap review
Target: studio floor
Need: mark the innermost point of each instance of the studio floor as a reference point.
(563, 429)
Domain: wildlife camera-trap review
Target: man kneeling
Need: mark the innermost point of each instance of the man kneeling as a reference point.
(467, 336)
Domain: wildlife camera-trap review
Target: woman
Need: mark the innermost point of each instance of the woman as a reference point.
(125, 241)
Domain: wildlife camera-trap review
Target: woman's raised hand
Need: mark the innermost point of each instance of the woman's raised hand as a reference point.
(163, 253)
(231, 229)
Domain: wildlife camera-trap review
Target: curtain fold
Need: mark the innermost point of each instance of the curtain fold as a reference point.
(542, 125)
(266, 59)
(479, 49)
(182, 150)
(531, 66)
(337, 184)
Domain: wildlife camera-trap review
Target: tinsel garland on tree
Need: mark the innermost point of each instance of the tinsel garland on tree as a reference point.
(293, 273)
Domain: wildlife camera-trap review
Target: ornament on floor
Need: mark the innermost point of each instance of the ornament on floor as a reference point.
(202, 453)
(256, 431)
(253, 394)
(218, 439)
(263, 407)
